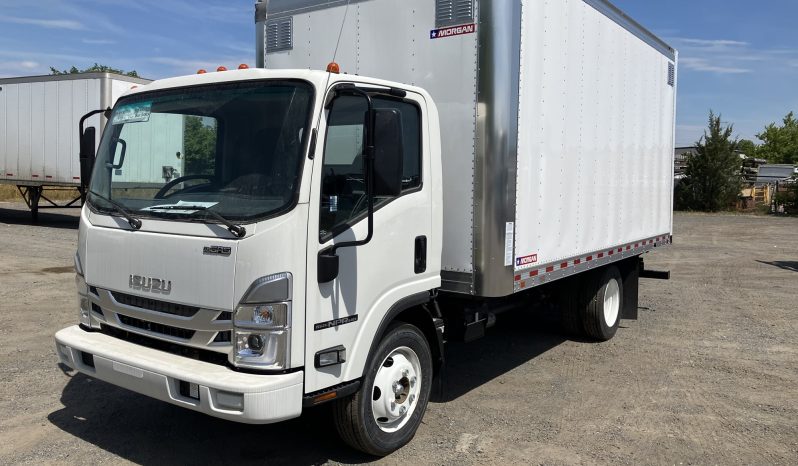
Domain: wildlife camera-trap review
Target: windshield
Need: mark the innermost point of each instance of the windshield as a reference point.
(234, 148)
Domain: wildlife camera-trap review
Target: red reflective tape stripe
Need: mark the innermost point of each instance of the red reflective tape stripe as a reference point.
(9, 174)
(48, 176)
(75, 177)
(550, 269)
(35, 176)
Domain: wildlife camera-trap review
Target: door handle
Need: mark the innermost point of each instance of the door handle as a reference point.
(420, 265)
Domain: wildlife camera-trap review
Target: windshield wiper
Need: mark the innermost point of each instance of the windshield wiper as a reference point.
(236, 230)
(120, 209)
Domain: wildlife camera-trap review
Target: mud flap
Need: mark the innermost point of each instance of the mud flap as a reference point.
(630, 273)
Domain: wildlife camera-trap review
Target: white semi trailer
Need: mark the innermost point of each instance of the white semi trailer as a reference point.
(331, 231)
(39, 138)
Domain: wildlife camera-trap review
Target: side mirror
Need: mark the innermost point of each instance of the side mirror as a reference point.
(389, 152)
(87, 154)
(328, 264)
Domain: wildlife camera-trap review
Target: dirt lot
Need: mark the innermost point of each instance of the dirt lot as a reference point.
(708, 375)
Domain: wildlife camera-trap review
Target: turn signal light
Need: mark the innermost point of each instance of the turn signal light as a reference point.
(333, 68)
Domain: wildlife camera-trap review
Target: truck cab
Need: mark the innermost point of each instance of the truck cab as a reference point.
(263, 276)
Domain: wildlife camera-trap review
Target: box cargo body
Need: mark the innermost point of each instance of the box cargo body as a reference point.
(557, 122)
(39, 118)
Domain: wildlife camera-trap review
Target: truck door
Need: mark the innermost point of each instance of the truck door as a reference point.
(347, 311)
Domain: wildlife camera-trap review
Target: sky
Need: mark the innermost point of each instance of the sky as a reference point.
(737, 57)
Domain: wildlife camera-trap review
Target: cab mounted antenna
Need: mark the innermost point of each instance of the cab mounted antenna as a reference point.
(341, 31)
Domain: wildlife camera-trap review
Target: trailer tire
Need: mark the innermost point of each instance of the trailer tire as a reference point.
(604, 302)
(370, 420)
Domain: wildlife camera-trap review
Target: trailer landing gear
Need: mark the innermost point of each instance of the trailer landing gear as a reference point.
(32, 195)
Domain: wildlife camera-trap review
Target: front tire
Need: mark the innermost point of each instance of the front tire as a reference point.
(385, 413)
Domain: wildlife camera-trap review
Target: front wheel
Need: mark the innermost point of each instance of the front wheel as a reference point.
(385, 413)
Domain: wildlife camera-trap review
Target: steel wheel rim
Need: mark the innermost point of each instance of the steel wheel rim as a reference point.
(396, 389)
(612, 302)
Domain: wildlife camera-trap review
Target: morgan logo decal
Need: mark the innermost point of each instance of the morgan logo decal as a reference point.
(152, 285)
(335, 323)
(526, 260)
(453, 31)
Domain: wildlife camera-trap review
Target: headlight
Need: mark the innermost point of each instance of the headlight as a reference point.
(273, 315)
(262, 325)
(262, 336)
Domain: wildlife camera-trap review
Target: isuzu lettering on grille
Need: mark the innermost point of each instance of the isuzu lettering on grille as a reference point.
(153, 285)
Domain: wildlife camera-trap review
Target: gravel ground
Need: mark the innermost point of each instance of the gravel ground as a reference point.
(708, 375)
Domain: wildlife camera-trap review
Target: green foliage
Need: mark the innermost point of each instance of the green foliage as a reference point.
(94, 69)
(199, 145)
(748, 147)
(780, 143)
(712, 179)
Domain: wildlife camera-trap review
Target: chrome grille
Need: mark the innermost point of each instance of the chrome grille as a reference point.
(189, 327)
(149, 304)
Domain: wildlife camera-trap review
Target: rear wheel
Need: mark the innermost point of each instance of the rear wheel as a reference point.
(385, 413)
(604, 300)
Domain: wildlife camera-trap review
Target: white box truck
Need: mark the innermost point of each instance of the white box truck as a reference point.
(331, 231)
(39, 138)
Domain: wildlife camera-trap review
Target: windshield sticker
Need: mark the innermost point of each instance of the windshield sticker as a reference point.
(190, 207)
(132, 113)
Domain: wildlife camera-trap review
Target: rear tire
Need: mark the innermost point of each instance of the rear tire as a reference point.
(602, 310)
(385, 413)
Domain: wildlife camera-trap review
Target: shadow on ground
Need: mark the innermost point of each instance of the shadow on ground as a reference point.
(786, 265)
(147, 431)
(55, 218)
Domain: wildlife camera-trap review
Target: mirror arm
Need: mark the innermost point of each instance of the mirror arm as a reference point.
(89, 115)
(368, 159)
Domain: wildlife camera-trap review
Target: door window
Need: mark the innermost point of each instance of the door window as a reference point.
(344, 201)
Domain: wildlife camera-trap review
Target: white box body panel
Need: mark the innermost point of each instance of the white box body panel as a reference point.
(595, 143)
(389, 40)
(556, 116)
(39, 116)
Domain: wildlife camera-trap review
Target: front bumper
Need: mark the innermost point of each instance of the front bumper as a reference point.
(223, 393)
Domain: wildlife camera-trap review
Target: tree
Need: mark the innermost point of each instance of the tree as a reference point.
(748, 148)
(199, 145)
(94, 69)
(780, 143)
(712, 178)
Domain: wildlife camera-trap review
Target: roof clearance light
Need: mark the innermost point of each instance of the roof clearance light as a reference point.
(201, 72)
(243, 66)
(333, 68)
(221, 68)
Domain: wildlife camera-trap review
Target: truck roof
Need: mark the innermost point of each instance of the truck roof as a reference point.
(317, 77)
